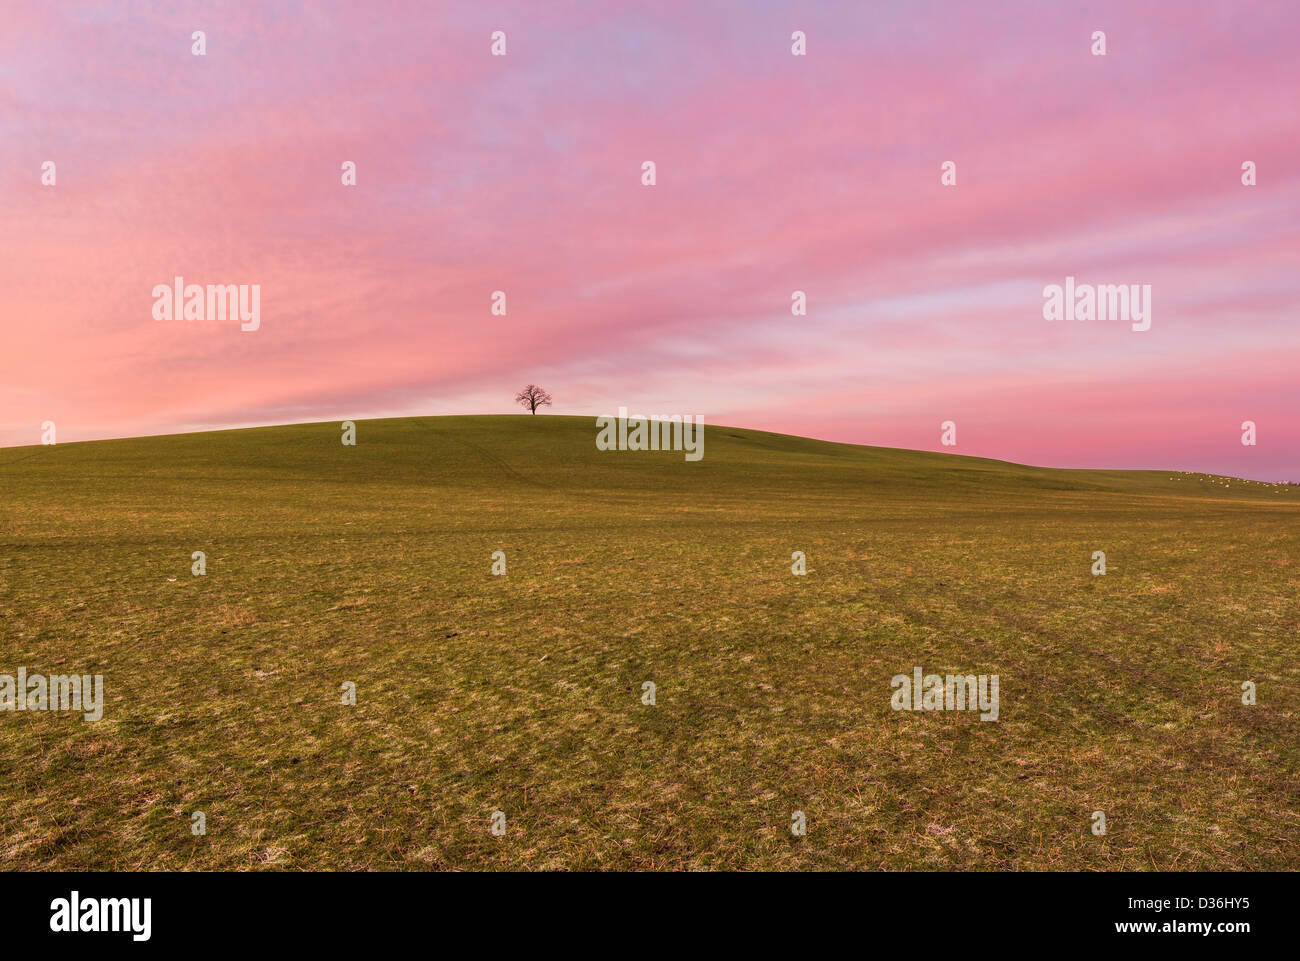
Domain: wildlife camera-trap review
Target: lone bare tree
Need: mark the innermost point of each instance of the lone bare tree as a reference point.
(533, 397)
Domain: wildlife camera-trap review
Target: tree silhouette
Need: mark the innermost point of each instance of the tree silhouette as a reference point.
(533, 397)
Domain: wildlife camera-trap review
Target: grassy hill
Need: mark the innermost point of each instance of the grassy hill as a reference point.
(523, 693)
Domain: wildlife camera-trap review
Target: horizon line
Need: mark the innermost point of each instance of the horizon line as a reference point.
(759, 430)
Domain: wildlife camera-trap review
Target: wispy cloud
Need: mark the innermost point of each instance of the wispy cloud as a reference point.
(776, 173)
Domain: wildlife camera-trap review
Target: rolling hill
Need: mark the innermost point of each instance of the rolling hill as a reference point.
(328, 565)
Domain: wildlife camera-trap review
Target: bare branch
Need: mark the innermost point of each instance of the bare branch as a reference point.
(533, 397)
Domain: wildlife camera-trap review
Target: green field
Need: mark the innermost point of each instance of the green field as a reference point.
(523, 693)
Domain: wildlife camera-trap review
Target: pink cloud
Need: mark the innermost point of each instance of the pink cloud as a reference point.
(776, 173)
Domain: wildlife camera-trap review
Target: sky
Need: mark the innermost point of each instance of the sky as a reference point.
(774, 173)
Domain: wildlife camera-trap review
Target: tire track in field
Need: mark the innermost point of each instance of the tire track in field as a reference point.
(490, 457)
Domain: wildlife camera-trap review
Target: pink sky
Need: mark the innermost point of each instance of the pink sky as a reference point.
(775, 173)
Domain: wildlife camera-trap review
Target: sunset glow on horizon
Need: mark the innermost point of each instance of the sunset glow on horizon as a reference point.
(775, 173)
